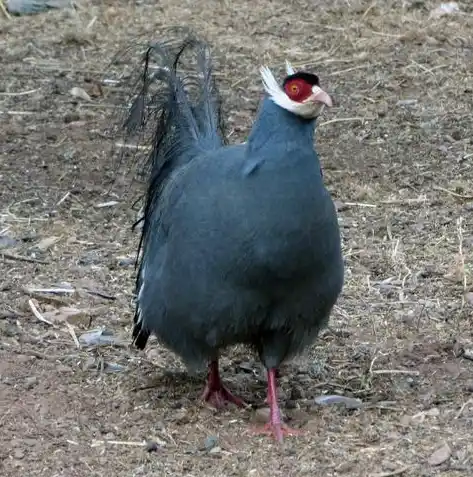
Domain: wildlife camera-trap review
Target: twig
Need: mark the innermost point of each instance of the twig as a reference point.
(36, 354)
(63, 198)
(388, 35)
(51, 290)
(96, 443)
(460, 412)
(100, 294)
(359, 204)
(454, 194)
(18, 113)
(384, 407)
(368, 10)
(4, 10)
(91, 23)
(73, 334)
(21, 93)
(60, 300)
(132, 146)
(462, 258)
(347, 70)
(340, 120)
(392, 473)
(38, 314)
(110, 203)
(418, 200)
(22, 258)
(395, 371)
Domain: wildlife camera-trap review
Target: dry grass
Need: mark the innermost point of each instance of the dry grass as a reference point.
(398, 158)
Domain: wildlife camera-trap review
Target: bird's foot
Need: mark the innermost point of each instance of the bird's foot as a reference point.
(278, 430)
(220, 397)
(275, 426)
(215, 393)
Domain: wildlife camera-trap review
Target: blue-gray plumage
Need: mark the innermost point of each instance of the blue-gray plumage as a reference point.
(240, 243)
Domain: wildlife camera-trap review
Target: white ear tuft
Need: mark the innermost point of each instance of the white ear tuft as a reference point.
(289, 69)
(277, 94)
(269, 82)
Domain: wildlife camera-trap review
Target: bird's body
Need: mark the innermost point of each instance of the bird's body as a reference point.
(240, 243)
(246, 252)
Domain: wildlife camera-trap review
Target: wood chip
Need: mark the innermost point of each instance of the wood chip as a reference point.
(21, 258)
(110, 203)
(80, 93)
(469, 298)
(46, 243)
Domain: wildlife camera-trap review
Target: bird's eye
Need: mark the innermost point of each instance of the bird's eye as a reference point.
(294, 88)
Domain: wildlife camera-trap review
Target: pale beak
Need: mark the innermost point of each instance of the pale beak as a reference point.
(320, 96)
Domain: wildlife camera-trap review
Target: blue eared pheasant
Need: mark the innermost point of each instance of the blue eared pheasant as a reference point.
(240, 243)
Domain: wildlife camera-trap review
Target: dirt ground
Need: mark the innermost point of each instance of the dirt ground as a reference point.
(397, 154)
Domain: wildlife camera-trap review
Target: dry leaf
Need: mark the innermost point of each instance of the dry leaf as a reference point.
(448, 8)
(69, 314)
(95, 90)
(441, 455)
(46, 243)
(80, 93)
(101, 337)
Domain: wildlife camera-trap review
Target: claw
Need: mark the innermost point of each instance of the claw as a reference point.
(277, 430)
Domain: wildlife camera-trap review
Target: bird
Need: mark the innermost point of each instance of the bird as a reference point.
(240, 243)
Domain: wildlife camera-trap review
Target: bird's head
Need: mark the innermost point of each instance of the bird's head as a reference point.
(300, 93)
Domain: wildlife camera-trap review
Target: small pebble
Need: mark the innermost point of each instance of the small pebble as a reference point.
(31, 382)
(210, 443)
(126, 262)
(151, 446)
(6, 242)
(71, 117)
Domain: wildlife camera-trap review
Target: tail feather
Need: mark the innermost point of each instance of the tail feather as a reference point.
(183, 106)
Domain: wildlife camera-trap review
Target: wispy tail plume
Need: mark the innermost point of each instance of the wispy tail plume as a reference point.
(177, 99)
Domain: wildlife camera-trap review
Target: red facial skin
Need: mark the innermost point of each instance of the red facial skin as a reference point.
(298, 90)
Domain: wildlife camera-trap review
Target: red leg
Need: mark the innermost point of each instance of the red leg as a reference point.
(275, 425)
(215, 392)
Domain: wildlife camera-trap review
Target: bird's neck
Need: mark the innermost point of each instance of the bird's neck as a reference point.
(274, 125)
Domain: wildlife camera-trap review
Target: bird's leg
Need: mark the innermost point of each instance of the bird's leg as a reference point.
(215, 392)
(275, 426)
